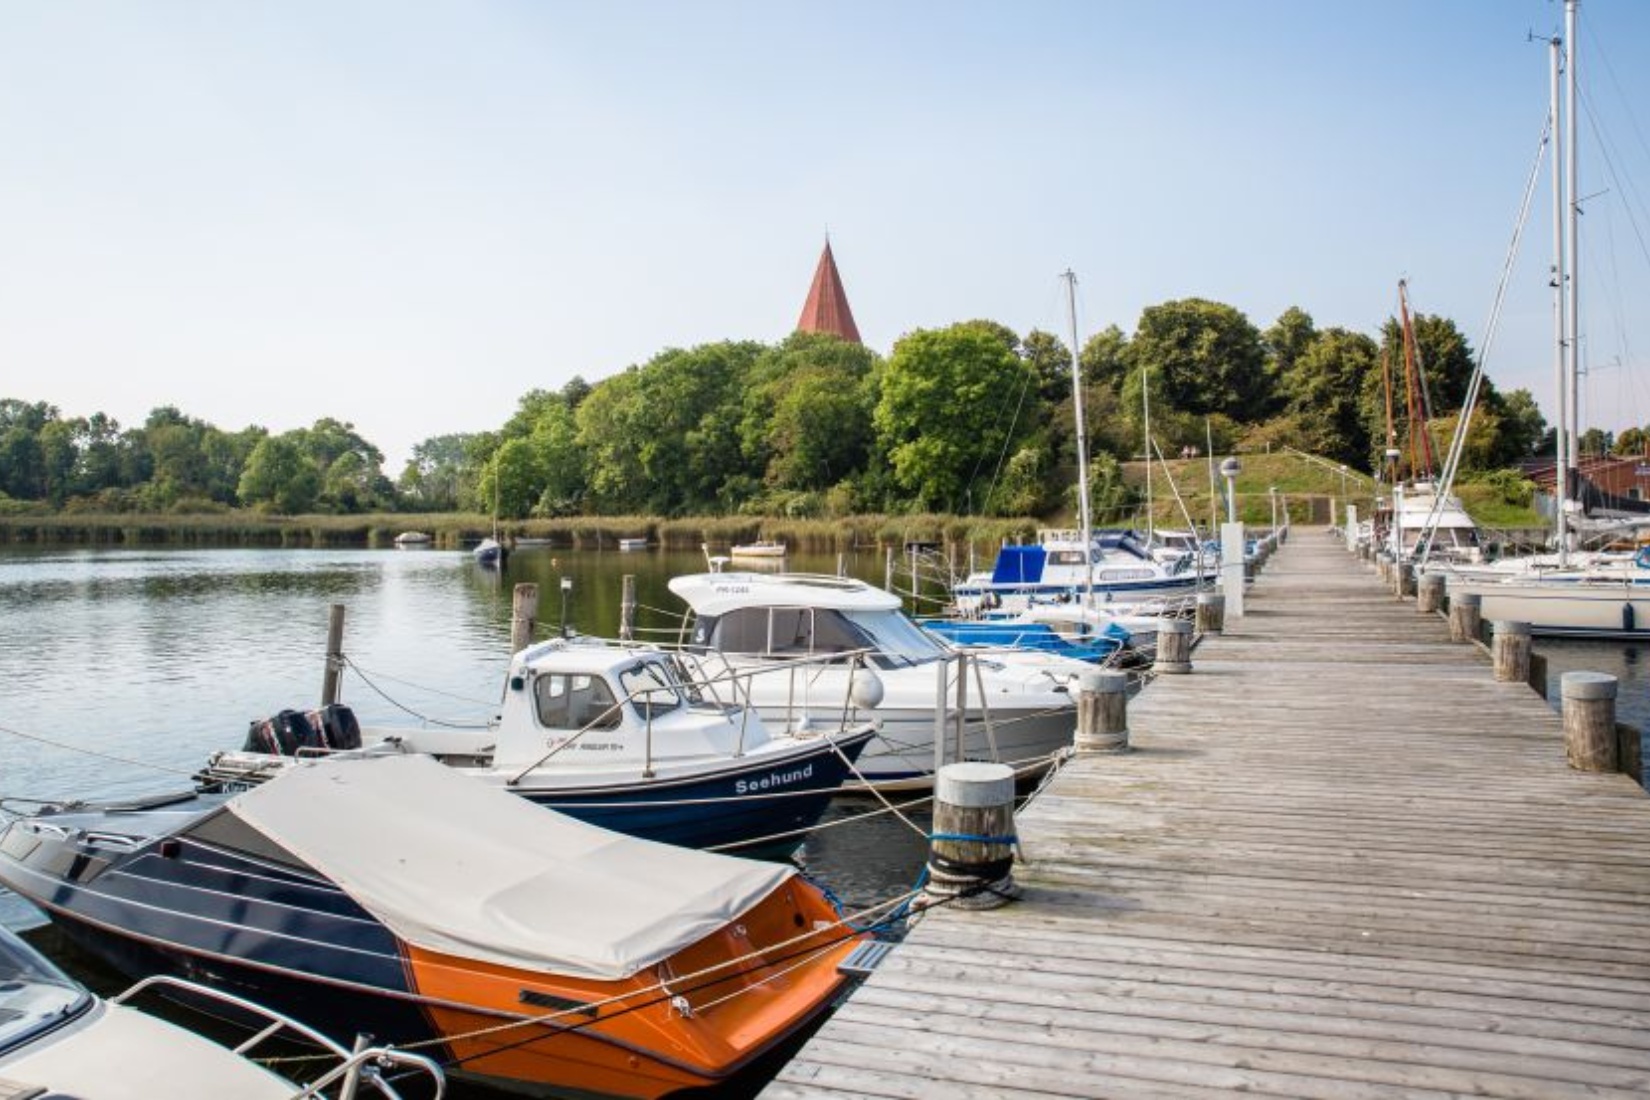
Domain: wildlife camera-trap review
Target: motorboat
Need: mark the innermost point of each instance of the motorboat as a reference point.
(59, 1040)
(1094, 643)
(490, 553)
(623, 736)
(1420, 521)
(1111, 567)
(633, 544)
(804, 639)
(389, 894)
(413, 540)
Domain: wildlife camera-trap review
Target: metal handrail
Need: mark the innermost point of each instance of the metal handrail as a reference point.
(351, 1063)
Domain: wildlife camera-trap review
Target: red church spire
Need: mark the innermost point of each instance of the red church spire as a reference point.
(826, 309)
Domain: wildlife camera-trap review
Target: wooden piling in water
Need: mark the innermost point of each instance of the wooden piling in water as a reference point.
(1510, 652)
(524, 609)
(1211, 613)
(335, 656)
(627, 609)
(1102, 712)
(1174, 647)
(971, 850)
(1589, 710)
(1465, 616)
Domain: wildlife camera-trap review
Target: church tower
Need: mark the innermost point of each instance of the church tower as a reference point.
(826, 309)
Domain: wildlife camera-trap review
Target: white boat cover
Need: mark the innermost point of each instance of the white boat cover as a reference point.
(467, 869)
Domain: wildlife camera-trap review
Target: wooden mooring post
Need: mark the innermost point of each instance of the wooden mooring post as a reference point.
(1510, 652)
(971, 850)
(1429, 596)
(1102, 712)
(1590, 721)
(1174, 647)
(524, 610)
(335, 656)
(1465, 616)
(1211, 613)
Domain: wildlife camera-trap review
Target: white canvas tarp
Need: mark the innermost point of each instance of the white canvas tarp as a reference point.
(454, 865)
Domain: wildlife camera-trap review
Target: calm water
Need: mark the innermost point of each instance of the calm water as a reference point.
(121, 670)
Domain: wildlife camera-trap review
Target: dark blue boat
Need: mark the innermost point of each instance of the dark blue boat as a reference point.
(389, 895)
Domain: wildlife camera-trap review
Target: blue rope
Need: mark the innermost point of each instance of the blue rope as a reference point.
(968, 839)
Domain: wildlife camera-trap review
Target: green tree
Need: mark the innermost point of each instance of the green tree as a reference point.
(22, 463)
(1323, 388)
(280, 476)
(1050, 360)
(1205, 357)
(437, 474)
(1630, 443)
(948, 411)
(1289, 338)
(1105, 358)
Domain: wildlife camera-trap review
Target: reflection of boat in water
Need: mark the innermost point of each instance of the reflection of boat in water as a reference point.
(624, 737)
(59, 1040)
(762, 549)
(412, 540)
(633, 544)
(402, 899)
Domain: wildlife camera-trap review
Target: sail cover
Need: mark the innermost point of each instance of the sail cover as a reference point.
(454, 865)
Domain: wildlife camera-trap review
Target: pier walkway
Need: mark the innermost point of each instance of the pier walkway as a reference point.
(1341, 861)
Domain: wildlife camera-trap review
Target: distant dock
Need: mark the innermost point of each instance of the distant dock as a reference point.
(1341, 861)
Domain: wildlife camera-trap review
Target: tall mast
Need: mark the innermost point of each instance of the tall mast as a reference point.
(1084, 519)
(1561, 475)
(1146, 414)
(1573, 195)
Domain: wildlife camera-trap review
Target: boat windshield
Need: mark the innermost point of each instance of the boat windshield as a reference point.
(651, 688)
(898, 641)
(34, 995)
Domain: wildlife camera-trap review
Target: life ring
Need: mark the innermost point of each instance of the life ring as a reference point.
(1642, 558)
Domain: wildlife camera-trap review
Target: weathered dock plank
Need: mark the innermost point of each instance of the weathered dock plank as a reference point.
(1341, 861)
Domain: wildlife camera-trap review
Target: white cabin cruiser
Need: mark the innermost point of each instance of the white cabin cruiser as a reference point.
(1420, 516)
(1114, 567)
(812, 635)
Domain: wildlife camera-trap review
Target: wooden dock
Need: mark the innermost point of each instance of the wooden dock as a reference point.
(1341, 861)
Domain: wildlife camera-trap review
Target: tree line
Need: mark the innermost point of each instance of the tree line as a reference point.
(972, 418)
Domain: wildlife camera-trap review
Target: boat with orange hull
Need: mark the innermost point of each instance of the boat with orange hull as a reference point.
(508, 942)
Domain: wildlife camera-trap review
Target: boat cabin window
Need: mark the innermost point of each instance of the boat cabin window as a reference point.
(1066, 557)
(574, 701)
(225, 831)
(651, 688)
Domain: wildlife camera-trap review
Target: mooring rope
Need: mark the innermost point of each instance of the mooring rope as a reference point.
(398, 705)
(99, 754)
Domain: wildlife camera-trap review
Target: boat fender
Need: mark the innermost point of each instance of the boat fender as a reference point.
(1627, 616)
(1642, 558)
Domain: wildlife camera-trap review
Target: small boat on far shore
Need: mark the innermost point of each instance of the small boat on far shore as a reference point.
(633, 544)
(762, 548)
(413, 539)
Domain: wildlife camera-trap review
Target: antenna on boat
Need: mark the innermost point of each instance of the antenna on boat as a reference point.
(1085, 521)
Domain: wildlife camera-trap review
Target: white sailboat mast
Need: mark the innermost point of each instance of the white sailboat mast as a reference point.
(1571, 185)
(1085, 520)
(1561, 454)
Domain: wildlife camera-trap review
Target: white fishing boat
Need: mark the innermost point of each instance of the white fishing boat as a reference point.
(810, 636)
(633, 544)
(626, 737)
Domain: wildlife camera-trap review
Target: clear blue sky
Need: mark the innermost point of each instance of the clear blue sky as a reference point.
(406, 214)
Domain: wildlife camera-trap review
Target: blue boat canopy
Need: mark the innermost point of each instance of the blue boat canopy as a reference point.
(1019, 565)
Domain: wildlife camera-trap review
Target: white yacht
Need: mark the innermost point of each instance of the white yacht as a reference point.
(813, 635)
(1115, 566)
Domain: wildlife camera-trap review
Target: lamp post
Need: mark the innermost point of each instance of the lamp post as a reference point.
(1272, 492)
(566, 592)
(1229, 469)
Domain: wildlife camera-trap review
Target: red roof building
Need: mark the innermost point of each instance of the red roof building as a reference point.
(826, 309)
